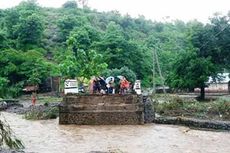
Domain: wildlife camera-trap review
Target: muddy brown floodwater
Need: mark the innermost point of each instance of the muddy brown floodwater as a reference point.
(48, 137)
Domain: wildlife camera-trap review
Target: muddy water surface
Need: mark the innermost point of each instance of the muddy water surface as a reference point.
(49, 137)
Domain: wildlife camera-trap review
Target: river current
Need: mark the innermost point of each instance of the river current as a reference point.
(47, 136)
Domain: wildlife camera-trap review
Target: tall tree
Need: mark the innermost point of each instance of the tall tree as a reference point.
(191, 71)
(30, 31)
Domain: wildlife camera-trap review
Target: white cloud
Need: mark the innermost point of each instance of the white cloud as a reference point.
(158, 9)
(151, 9)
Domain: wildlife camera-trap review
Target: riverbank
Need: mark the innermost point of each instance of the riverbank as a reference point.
(46, 107)
(170, 109)
(217, 108)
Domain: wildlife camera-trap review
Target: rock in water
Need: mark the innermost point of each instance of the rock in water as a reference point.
(3, 105)
(149, 113)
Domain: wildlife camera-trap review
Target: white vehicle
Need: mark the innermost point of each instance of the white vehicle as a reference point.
(71, 86)
(137, 87)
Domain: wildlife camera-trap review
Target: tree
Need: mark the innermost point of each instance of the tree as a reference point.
(31, 5)
(67, 65)
(81, 61)
(113, 46)
(30, 31)
(23, 68)
(83, 38)
(82, 65)
(3, 86)
(11, 22)
(3, 39)
(24, 25)
(79, 40)
(66, 24)
(70, 4)
(191, 71)
(90, 64)
(35, 68)
(10, 60)
(76, 34)
(220, 40)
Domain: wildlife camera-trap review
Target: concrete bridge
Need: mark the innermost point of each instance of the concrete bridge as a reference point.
(102, 109)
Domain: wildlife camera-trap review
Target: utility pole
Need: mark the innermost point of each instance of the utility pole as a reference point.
(159, 69)
(156, 62)
(154, 72)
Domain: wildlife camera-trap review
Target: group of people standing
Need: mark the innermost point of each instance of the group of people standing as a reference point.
(110, 85)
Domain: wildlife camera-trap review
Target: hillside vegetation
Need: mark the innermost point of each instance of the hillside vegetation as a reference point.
(37, 42)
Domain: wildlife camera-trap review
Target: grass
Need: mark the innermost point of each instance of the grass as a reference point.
(49, 99)
(42, 114)
(188, 107)
(46, 108)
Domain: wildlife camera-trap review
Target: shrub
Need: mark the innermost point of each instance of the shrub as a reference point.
(41, 113)
(3, 86)
(7, 137)
(176, 106)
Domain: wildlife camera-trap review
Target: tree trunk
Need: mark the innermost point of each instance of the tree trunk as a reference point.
(202, 92)
(229, 87)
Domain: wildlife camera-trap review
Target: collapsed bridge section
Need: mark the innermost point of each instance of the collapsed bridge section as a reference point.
(101, 109)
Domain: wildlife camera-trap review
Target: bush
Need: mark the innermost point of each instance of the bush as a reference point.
(3, 86)
(7, 137)
(176, 106)
(221, 107)
(41, 113)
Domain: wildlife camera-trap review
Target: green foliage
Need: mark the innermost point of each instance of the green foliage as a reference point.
(4, 44)
(7, 137)
(9, 60)
(37, 42)
(35, 67)
(21, 68)
(70, 4)
(67, 23)
(42, 112)
(208, 55)
(49, 99)
(24, 25)
(190, 71)
(84, 64)
(30, 31)
(3, 86)
(79, 60)
(67, 65)
(90, 64)
(11, 21)
(177, 106)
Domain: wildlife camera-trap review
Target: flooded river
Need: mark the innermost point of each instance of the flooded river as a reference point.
(49, 137)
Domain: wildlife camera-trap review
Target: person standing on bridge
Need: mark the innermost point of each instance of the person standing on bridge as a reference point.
(124, 85)
(91, 85)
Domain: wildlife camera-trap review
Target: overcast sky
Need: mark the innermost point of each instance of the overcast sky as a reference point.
(152, 9)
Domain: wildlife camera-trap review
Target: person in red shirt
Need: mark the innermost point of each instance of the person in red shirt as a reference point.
(34, 98)
(124, 85)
